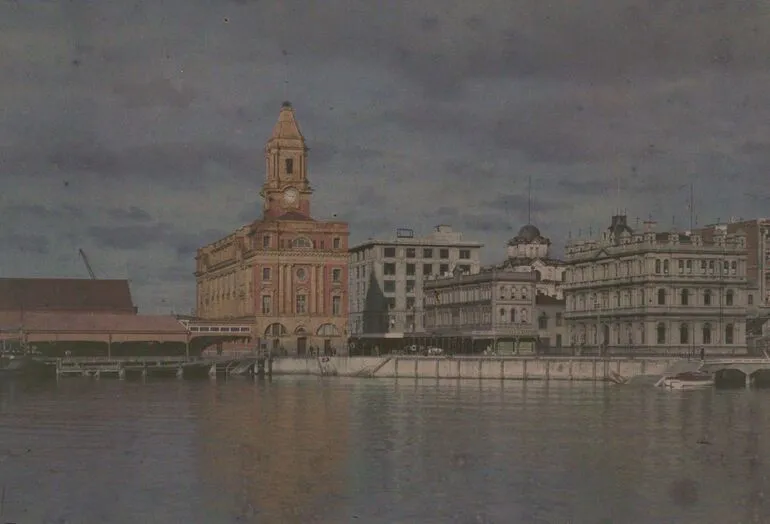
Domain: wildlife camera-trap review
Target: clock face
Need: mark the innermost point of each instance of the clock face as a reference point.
(290, 196)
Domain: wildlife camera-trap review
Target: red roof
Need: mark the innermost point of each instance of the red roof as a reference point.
(90, 323)
(65, 294)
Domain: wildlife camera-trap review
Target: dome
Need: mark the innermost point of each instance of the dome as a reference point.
(528, 233)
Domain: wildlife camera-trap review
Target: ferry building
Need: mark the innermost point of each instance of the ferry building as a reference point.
(657, 292)
(285, 273)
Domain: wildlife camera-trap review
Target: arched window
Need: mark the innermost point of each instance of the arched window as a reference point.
(729, 334)
(503, 289)
(523, 316)
(513, 315)
(524, 293)
(685, 297)
(707, 297)
(276, 330)
(657, 265)
(502, 313)
(661, 297)
(684, 334)
(661, 333)
(513, 293)
(729, 296)
(538, 275)
(327, 330)
(665, 266)
(733, 267)
(707, 333)
(302, 243)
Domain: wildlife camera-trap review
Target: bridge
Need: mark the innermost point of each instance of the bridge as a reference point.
(734, 371)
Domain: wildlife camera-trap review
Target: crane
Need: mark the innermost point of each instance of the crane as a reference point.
(88, 266)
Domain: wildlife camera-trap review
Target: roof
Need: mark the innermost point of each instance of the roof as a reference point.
(294, 215)
(529, 261)
(286, 128)
(65, 294)
(547, 300)
(90, 322)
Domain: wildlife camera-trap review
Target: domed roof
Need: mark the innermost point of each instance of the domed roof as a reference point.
(528, 233)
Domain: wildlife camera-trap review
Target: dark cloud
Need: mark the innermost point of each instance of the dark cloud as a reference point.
(130, 236)
(26, 244)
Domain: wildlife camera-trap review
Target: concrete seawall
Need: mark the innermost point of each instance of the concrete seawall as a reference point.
(497, 368)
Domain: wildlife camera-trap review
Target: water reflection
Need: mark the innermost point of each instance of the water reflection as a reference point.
(379, 451)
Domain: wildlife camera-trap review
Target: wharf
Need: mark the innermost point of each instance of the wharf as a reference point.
(181, 367)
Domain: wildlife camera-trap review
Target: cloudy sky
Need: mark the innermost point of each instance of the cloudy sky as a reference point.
(134, 130)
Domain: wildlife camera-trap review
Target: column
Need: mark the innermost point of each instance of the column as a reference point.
(313, 283)
(279, 292)
(321, 290)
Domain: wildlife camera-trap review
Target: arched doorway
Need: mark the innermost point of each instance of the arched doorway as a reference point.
(276, 332)
(327, 331)
(301, 334)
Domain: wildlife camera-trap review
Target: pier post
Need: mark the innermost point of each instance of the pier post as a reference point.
(748, 380)
(121, 372)
(180, 372)
(187, 347)
(109, 346)
(144, 370)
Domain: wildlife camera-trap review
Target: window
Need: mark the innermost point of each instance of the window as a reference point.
(410, 286)
(443, 268)
(685, 297)
(289, 166)
(733, 267)
(392, 305)
(389, 252)
(301, 304)
(684, 334)
(336, 306)
(681, 266)
(411, 252)
(265, 273)
(411, 269)
(558, 320)
(711, 266)
(427, 269)
(665, 267)
(336, 243)
(302, 242)
(266, 242)
(336, 275)
(729, 334)
(707, 333)
(751, 299)
(389, 268)
(267, 304)
(427, 253)
(465, 254)
(729, 297)
(661, 297)
(689, 266)
(389, 286)
(661, 333)
(707, 298)
(502, 313)
(657, 265)
(464, 268)
(542, 322)
(409, 302)
(703, 265)
(443, 253)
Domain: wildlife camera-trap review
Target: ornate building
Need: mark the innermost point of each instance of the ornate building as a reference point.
(530, 251)
(287, 272)
(492, 309)
(657, 292)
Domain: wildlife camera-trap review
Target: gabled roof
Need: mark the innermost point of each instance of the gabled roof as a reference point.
(65, 294)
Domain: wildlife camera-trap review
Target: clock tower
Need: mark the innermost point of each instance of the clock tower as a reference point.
(286, 188)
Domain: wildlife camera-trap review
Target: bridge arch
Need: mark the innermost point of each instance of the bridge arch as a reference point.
(328, 330)
(730, 378)
(276, 329)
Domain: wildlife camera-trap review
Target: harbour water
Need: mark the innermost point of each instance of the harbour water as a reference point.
(337, 450)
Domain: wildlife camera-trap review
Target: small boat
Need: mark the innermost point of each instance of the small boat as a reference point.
(687, 380)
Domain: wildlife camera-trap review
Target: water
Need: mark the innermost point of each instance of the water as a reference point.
(305, 450)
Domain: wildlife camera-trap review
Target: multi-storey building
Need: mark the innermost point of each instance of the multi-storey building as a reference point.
(493, 309)
(531, 251)
(386, 279)
(285, 273)
(757, 233)
(551, 327)
(661, 292)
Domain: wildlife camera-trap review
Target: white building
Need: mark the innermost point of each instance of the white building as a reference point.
(657, 292)
(492, 309)
(387, 276)
(531, 251)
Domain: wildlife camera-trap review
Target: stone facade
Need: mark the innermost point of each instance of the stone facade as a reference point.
(531, 251)
(551, 326)
(287, 273)
(659, 292)
(493, 309)
(387, 277)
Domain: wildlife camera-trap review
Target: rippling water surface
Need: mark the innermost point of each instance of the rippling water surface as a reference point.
(304, 450)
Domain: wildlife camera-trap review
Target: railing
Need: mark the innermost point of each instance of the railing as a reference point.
(101, 360)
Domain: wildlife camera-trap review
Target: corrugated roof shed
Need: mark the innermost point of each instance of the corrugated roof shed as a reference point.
(65, 294)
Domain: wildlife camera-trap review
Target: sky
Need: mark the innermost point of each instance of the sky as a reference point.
(135, 130)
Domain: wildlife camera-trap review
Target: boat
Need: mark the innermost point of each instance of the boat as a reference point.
(687, 380)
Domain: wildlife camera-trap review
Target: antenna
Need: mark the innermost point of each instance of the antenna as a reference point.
(529, 201)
